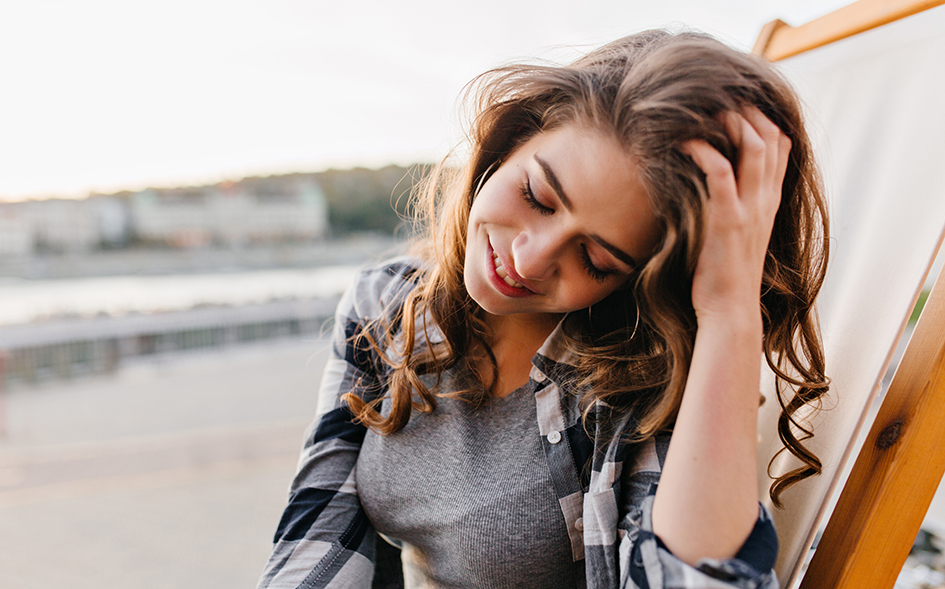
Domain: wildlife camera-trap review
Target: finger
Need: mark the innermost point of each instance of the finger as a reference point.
(753, 153)
(719, 175)
(768, 131)
(732, 122)
(778, 151)
(784, 156)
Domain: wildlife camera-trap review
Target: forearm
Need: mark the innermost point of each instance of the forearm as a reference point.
(707, 500)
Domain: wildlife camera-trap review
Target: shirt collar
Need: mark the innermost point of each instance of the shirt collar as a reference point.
(555, 360)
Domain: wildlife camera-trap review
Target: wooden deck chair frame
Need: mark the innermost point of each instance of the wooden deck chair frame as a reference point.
(885, 498)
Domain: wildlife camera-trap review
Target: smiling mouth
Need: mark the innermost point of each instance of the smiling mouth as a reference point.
(503, 273)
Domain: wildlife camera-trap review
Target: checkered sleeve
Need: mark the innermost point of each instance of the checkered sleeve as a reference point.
(324, 538)
(646, 563)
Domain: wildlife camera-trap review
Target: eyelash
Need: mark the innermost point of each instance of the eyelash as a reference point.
(589, 267)
(592, 270)
(531, 201)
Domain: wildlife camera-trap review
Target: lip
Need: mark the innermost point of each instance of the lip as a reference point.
(499, 284)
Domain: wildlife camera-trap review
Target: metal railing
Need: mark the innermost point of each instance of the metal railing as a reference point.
(67, 349)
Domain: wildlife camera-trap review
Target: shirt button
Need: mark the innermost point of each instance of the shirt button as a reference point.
(579, 524)
(554, 437)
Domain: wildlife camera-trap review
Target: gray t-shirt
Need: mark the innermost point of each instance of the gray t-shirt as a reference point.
(467, 494)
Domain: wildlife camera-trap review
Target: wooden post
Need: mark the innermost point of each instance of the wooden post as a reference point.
(897, 471)
(778, 40)
(765, 36)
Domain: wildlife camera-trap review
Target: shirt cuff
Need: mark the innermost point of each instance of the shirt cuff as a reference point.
(751, 568)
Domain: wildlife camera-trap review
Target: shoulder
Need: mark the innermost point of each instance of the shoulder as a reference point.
(378, 287)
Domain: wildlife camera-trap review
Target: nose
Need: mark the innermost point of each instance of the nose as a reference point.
(535, 254)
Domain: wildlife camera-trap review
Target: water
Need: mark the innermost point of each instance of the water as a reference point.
(25, 301)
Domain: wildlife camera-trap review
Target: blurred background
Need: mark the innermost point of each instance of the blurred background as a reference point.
(186, 187)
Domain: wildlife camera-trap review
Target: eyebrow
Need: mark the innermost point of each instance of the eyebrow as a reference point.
(618, 253)
(552, 179)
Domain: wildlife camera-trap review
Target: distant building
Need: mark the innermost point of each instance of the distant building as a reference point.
(280, 209)
(180, 217)
(251, 211)
(113, 218)
(60, 225)
(16, 236)
(254, 210)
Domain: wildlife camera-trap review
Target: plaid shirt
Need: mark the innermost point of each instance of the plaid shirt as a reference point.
(325, 540)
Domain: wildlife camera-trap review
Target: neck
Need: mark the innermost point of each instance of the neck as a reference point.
(526, 330)
(514, 340)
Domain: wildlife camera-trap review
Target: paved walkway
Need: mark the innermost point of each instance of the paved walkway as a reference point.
(168, 475)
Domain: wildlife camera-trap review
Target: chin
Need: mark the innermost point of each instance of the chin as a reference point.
(480, 295)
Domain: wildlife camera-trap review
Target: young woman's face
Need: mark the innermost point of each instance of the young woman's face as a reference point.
(559, 226)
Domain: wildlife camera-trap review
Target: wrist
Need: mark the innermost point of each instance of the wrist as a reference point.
(745, 319)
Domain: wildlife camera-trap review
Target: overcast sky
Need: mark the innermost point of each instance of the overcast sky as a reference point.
(106, 95)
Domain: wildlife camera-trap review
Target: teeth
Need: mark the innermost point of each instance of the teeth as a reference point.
(503, 273)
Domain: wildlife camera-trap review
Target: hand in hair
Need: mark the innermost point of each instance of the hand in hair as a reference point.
(739, 214)
(707, 500)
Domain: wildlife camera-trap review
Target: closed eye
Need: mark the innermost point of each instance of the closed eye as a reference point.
(598, 274)
(529, 195)
(592, 270)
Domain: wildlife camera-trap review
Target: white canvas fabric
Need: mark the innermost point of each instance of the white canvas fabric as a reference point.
(874, 106)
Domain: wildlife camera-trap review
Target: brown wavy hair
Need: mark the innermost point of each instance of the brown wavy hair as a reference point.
(652, 91)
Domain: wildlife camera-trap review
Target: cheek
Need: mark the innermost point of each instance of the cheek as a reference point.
(498, 203)
(588, 292)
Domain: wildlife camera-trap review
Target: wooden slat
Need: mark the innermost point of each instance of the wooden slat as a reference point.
(896, 473)
(764, 37)
(784, 40)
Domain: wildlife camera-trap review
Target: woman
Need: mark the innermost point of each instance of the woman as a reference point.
(561, 388)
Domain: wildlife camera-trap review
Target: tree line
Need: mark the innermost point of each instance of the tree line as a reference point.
(362, 199)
